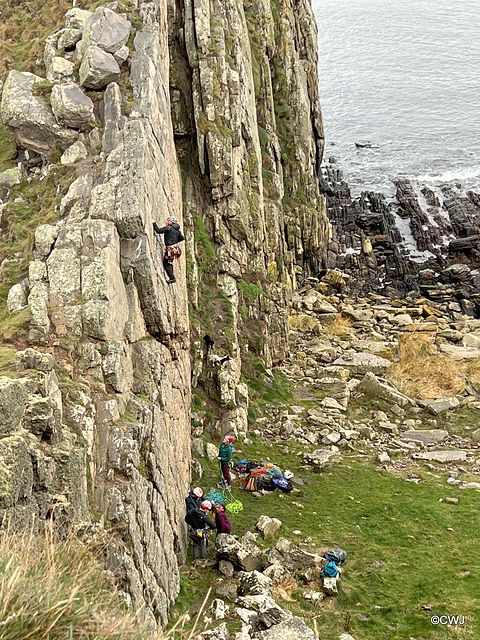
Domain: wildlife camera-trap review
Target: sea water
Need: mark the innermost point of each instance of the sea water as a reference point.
(403, 75)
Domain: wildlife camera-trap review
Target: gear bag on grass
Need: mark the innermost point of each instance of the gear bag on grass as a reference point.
(329, 570)
(339, 556)
(282, 483)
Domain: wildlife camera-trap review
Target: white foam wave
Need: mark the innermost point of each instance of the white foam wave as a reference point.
(450, 176)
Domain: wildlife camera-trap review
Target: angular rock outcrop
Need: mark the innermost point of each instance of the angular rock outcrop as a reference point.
(30, 116)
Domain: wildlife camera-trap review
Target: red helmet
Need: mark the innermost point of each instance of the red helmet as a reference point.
(206, 504)
(229, 438)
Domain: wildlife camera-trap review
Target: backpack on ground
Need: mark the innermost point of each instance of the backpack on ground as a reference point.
(339, 556)
(282, 483)
(265, 483)
(329, 570)
(252, 465)
(240, 466)
(250, 486)
(258, 472)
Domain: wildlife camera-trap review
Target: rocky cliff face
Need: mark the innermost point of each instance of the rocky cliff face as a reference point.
(249, 138)
(96, 430)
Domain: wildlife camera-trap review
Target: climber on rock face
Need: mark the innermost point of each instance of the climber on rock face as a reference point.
(173, 236)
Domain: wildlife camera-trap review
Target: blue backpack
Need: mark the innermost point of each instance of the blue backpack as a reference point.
(339, 556)
(282, 483)
(329, 570)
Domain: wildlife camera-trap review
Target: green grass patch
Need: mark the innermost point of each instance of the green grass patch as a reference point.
(402, 559)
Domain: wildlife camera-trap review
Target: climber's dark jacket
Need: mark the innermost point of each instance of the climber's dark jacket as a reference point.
(198, 519)
(172, 233)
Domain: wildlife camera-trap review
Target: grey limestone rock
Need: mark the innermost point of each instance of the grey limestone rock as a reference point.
(33, 359)
(68, 38)
(17, 297)
(293, 628)
(98, 69)
(30, 117)
(268, 612)
(268, 526)
(16, 472)
(440, 404)
(442, 456)
(76, 18)
(254, 583)
(12, 404)
(426, 436)
(245, 555)
(363, 363)
(78, 151)
(321, 458)
(8, 179)
(71, 107)
(45, 236)
(293, 557)
(219, 633)
(371, 385)
(60, 70)
(106, 29)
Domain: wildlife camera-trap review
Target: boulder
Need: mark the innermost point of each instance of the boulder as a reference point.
(17, 297)
(371, 385)
(363, 363)
(33, 359)
(219, 633)
(242, 553)
(78, 151)
(268, 526)
(468, 340)
(212, 451)
(226, 568)
(8, 179)
(277, 572)
(75, 18)
(12, 404)
(60, 70)
(219, 609)
(71, 107)
(290, 629)
(460, 353)
(294, 558)
(440, 404)
(68, 38)
(268, 612)
(254, 583)
(426, 436)
(321, 458)
(106, 30)
(98, 69)
(442, 456)
(330, 586)
(30, 117)
(16, 471)
(45, 236)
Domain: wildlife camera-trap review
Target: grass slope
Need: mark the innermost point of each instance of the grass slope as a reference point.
(403, 559)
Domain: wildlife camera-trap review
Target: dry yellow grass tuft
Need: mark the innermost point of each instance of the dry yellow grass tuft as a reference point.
(420, 372)
(51, 589)
(342, 326)
(24, 27)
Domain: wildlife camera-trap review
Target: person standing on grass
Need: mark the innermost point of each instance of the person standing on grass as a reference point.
(221, 520)
(225, 454)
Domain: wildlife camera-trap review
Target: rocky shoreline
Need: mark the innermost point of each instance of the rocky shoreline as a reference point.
(423, 241)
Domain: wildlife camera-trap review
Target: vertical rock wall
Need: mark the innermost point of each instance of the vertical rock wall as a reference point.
(249, 136)
(102, 313)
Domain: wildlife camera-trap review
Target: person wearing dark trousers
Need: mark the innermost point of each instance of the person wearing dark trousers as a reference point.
(199, 522)
(224, 456)
(173, 236)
